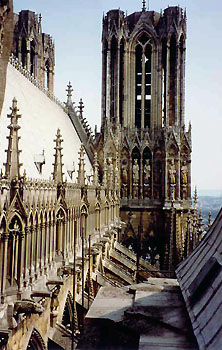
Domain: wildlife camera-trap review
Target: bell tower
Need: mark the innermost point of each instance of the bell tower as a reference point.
(143, 90)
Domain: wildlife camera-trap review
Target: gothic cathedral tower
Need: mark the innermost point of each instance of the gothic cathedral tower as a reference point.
(143, 85)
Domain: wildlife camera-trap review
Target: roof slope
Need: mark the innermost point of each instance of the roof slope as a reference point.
(200, 279)
(41, 117)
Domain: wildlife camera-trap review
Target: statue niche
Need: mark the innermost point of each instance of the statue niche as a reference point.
(124, 178)
(184, 179)
(146, 178)
(136, 171)
(172, 179)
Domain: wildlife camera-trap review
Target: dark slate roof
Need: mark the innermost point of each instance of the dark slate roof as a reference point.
(200, 279)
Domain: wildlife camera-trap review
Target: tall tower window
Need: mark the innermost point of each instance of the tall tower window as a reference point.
(172, 92)
(164, 80)
(139, 54)
(147, 97)
(143, 82)
(121, 81)
(32, 57)
(113, 77)
(24, 52)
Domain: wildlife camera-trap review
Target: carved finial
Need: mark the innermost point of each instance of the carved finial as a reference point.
(95, 170)
(81, 107)
(143, 5)
(81, 171)
(69, 90)
(40, 19)
(195, 198)
(57, 172)
(12, 165)
(105, 173)
(209, 219)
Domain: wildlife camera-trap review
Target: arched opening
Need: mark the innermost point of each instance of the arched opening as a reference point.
(147, 172)
(41, 242)
(121, 81)
(14, 252)
(46, 240)
(47, 78)
(182, 73)
(97, 220)
(125, 171)
(138, 102)
(36, 243)
(36, 342)
(32, 243)
(113, 73)
(164, 80)
(32, 58)
(136, 172)
(24, 52)
(143, 82)
(105, 74)
(172, 91)
(17, 48)
(60, 219)
(147, 97)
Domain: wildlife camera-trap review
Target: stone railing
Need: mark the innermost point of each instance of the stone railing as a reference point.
(36, 82)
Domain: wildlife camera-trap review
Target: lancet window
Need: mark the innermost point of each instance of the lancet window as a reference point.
(143, 82)
(121, 81)
(13, 252)
(172, 94)
(114, 57)
(164, 81)
(32, 58)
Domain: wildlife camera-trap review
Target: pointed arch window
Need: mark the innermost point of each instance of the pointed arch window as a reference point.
(143, 82)
(32, 58)
(113, 63)
(14, 252)
(121, 80)
(24, 52)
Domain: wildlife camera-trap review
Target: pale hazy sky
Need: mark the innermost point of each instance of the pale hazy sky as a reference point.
(76, 25)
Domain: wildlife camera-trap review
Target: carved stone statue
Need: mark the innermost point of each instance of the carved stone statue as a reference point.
(146, 177)
(136, 170)
(146, 172)
(110, 171)
(124, 180)
(184, 180)
(172, 173)
(184, 173)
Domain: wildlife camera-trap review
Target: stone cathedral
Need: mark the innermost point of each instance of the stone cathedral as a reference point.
(143, 122)
(78, 210)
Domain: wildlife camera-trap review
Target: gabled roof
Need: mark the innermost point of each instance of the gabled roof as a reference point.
(40, 119)
(200, 279)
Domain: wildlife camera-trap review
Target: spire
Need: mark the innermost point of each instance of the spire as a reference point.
(95, 170)
(69, 90)
(40, 23)
(57, 172)
(105, 173)
(209, 219)
(81, 107)
(81, 171)
(195, 198)
(12, 165)
(143, 5)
